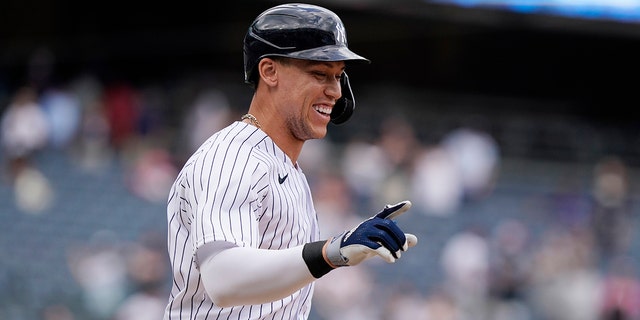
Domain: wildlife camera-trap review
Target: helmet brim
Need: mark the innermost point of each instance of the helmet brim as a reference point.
(327, 53)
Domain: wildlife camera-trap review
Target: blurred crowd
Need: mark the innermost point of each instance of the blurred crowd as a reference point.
(581, 265)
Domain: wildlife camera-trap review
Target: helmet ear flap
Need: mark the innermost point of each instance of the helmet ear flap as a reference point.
(343, 109)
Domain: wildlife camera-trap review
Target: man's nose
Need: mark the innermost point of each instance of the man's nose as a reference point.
(334, 89)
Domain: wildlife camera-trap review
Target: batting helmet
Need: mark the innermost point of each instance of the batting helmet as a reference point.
(301, 31)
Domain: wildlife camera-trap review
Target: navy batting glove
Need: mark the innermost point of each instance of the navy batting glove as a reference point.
(378, 235)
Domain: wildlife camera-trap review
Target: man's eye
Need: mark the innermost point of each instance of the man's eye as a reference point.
(325, 76)
(319, 75)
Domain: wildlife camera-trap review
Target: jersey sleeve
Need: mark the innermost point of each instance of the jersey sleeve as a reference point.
(227, 189)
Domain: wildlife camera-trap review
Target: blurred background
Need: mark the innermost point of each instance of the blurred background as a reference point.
(511, 125)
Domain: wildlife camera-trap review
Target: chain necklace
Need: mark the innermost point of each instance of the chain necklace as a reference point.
(253, 120)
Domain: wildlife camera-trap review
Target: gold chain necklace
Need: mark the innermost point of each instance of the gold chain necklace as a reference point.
(253, 120)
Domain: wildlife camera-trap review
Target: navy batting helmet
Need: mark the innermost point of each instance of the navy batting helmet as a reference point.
(301, 31)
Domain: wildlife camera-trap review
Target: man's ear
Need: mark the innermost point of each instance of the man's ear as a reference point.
(267, 68)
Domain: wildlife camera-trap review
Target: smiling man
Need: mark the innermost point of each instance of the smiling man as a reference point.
(243, 235)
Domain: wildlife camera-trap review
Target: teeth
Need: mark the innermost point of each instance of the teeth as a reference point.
(325, 110)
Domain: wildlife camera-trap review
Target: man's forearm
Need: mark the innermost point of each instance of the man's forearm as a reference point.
(243, 276)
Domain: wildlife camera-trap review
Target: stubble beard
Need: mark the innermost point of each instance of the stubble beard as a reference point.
(302, 129)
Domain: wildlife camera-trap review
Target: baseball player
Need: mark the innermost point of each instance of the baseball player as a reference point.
(243, 235)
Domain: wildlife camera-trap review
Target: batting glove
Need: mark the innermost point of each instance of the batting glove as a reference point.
(378, 235)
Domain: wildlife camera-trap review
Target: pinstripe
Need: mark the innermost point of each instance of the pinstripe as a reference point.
(206, 199)
(229, 191)
(220, 210)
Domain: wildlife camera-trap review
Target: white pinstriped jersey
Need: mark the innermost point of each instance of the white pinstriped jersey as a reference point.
(241, 188)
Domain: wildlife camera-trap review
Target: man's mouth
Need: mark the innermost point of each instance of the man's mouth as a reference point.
(325, 110)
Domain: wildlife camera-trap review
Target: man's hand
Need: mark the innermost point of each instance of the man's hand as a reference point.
(378, 235)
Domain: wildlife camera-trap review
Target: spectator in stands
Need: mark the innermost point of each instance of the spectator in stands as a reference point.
(621, 291)
(62, 108)
(465, 260)
(122, 110)
(209, 113)
(25, 130)
(611, 212)
(564, 284)
(148, 271)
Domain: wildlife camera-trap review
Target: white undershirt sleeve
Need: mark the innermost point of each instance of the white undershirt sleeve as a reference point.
(246, 276)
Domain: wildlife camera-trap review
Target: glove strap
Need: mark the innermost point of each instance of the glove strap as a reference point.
(312, 254)
(332, 251)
